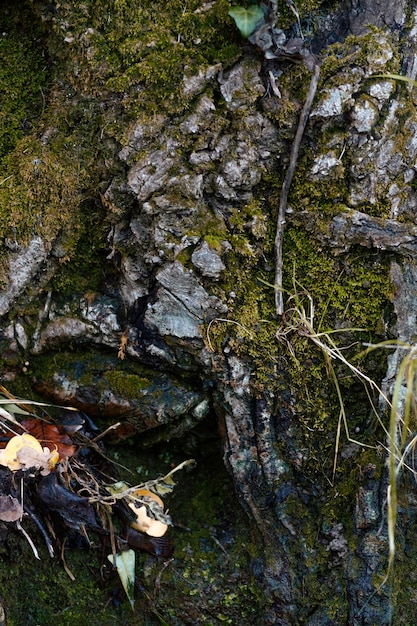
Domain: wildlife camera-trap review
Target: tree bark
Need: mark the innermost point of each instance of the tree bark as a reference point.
(138, 212)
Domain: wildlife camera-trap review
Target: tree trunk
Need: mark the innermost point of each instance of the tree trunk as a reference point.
(143, 159)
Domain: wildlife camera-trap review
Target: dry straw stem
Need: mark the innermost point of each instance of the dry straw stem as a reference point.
(402, 406)
(301, 320)
(283, 201)
(401, 441)
(226, 321)
(402, 409)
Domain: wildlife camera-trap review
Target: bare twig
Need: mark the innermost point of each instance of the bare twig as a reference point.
(157, 586)
(45, 535)
(105, 432)
(28, 539)
(64, 563)
(305, 113)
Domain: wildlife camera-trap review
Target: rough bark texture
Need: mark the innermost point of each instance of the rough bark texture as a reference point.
(138, 208)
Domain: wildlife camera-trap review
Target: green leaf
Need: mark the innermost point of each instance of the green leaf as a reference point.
(246, 19)
(125, 565)
(13, 408)
(117, 488)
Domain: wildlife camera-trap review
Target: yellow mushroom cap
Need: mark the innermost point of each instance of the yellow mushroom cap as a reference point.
(16, 443)
(145, 493)
(144, 523)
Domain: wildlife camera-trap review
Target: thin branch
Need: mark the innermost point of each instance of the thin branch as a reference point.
(279, 236)
(45, 535)
(28, 539)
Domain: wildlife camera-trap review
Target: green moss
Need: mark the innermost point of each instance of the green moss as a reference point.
(48, 193)
(125, 384)
(52, 181)
(340, 58)
(144, 52)
(141, 54)
(402, 583)
(207, 582)
(352, 288)
(85, 267)
(23, 74)
(124, 377)
(217, 544)
(214, 241)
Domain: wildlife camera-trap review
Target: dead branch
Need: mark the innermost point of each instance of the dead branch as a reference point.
(283, 202)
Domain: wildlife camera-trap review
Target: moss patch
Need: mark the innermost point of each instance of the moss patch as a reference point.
(143, 52)
(24, 75)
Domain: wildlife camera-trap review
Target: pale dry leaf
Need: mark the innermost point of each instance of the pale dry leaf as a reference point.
(10, 509)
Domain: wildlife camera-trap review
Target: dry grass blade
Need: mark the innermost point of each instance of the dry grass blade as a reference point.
(301, 319)
(401, 408)
(226, 321)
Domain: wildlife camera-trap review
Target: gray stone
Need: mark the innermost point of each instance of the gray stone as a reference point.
(24, 265)
(365, 114)
(182, 304)
(242, 85)
(207, 260)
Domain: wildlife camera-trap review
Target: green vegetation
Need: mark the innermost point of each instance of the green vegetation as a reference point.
(144, 53)
(207, 581)
(246, 18)
(132, 59)
(24, 75)
(52, 179)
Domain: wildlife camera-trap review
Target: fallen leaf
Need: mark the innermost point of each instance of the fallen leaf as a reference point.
(10, 509)
(158, 546)
(125, 565)
(44, 461)
(24, 452)
(21, 445)
(50, 436)
(75, 510)
(246, 19)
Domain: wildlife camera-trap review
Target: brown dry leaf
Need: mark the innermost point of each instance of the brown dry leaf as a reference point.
(49, 435)
(45, 461)
(10, 509)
